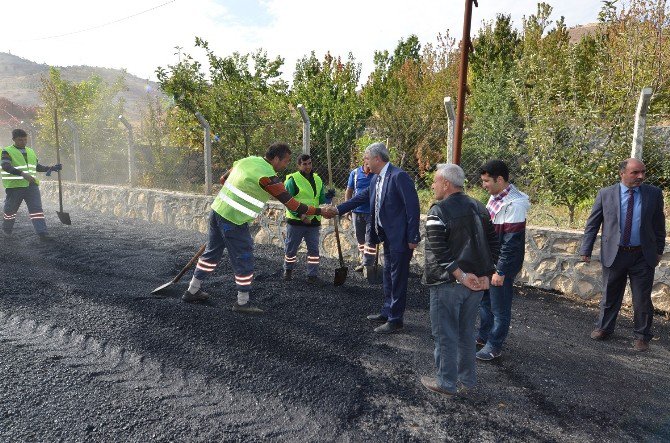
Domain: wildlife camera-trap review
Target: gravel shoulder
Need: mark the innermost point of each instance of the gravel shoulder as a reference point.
(86, 354)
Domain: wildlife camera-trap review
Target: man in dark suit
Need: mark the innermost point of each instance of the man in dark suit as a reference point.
(632, 243)
(394, 220)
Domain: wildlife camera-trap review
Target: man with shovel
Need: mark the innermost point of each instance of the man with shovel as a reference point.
(247, 186)
(306, 186)
(395, 217)
(19, 177)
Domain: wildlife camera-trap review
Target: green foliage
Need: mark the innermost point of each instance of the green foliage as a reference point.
(242, 98)
(93, 107)
(328, 90)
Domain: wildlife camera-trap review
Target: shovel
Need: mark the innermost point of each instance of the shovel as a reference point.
(64, 217)
(341, 272)
(373, 274)
(182, 272)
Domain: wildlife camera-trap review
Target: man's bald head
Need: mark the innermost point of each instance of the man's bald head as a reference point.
(632, 172)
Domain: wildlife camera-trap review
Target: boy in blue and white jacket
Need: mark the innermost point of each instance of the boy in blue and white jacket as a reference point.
(508, 207)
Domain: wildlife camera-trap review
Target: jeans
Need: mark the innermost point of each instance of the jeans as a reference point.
(453, 312)
(495, 312)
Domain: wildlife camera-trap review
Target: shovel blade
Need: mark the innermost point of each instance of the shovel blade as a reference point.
(161, 287)
(373, 275)
(64, 218)
(340, 276)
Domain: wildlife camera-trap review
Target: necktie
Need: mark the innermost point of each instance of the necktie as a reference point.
(628, 225)
(378, 200)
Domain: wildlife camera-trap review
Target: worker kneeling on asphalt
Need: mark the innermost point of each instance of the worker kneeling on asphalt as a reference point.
(19, 177)
(247, 186)
(307, 187)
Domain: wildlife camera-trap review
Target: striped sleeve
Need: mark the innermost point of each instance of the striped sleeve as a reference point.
(275, 187)
(437, 240)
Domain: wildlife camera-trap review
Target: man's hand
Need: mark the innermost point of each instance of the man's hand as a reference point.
(28, 177)
(497, 280)
(329, 211)
(412, 245)
(484, 283)
(586, 258)
(471, 282)
(304, 219)
(658, 258)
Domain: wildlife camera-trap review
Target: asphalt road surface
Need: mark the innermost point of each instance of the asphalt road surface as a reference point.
(86, 354)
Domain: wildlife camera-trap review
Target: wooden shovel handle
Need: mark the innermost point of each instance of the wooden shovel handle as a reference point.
(190, 263)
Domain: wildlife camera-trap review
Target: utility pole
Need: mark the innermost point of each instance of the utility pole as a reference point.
(466, 46)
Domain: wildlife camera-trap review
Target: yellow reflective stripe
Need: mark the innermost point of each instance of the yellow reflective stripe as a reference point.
(244, 196)
(238, 206)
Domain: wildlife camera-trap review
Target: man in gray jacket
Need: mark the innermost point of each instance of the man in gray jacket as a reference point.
(461, 251)
(632, 243)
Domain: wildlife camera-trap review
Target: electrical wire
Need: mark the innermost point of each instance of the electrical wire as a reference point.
(104, 24)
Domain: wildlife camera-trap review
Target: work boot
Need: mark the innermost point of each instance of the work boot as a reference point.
(45, 237)
(198, 296)
(359, 268)
(312, 279)
(288, 274)
(247, 308)
(6, 234)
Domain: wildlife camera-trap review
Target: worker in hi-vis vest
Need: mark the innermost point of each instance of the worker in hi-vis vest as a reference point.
(305, 186)
(247, 186)
(19, 178)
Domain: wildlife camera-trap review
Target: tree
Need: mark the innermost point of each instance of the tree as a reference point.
(93, 106)
(328, 91)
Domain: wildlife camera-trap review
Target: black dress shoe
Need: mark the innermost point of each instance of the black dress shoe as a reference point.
(377, 318)
(389, 328)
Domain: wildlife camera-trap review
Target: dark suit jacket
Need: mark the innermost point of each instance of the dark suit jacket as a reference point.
(400, 212)
(607, 212)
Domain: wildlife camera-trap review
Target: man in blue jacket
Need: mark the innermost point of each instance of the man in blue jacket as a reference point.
(394, 218)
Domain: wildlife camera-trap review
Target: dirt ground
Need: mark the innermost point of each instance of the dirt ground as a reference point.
(86, 354)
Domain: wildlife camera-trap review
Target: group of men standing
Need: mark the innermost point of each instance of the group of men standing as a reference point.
(473, 252)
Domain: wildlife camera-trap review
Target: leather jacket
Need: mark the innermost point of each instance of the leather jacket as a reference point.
(459, 234)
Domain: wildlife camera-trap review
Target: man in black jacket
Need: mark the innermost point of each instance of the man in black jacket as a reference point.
(461, 251)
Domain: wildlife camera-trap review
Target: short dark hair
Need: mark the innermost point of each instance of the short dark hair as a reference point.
(18, 133)
(495, 169)
(303, 158)
(277, 149)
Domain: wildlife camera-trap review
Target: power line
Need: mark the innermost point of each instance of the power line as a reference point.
(105, 24)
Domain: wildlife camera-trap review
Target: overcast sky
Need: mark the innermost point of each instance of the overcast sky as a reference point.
(34, 29)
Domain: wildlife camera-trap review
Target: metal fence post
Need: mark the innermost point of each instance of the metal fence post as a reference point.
(208, 152)
(305, 129)
(449, 108)
(131, 151)
(640, 122)
(75, 149)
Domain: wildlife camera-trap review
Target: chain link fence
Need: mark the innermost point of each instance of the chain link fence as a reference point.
(562, 183)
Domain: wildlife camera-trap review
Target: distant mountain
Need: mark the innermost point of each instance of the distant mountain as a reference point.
(20, 81)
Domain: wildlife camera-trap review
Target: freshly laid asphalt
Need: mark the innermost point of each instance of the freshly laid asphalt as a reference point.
(87, 354)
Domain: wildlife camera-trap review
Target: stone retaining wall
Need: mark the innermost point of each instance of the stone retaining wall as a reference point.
(551, 254)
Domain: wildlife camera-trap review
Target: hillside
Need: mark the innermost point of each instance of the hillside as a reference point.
(20, 82)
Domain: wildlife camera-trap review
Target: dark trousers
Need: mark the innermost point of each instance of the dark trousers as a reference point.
(365, 248)
(628, 264)
(14, 198)
(396, 274)
(495, 313)
(237, 240)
